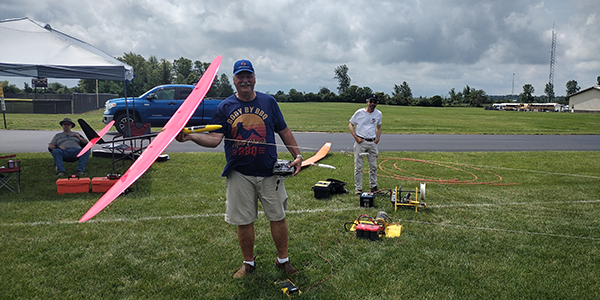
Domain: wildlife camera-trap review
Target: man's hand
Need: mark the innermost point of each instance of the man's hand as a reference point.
(181, 137)
(354, 135)
(52, 147)
(298, 164)
(82, 140)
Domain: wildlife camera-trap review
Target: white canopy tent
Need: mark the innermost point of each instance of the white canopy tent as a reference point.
(32, 49)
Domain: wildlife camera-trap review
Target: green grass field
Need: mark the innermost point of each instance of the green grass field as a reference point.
(333, 117)
(515, 225)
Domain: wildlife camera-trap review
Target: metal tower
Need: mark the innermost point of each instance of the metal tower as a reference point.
(552, 60)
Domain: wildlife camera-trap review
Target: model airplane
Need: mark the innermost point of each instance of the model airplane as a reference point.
(161, 142)
(90, 133)
(312, 161)
(322, 165)
(93, 140)
(202, 128)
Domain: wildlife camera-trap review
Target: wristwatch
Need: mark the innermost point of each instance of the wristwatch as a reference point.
(300, 155)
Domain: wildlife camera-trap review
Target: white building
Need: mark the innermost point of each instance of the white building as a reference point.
(587, 100)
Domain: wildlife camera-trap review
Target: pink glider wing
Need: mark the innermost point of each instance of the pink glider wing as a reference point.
(160, 142)
(93, 141)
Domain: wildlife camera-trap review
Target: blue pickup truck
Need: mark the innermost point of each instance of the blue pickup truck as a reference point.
(156, 107)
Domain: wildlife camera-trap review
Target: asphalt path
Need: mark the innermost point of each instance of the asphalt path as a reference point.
(28, 141)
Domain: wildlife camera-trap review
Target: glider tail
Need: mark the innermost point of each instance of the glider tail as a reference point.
(90, 133)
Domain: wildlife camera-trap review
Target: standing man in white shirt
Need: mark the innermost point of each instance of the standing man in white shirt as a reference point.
(365, 127)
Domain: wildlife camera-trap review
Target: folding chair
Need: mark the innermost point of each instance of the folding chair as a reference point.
(9, 171)
(67, 159)
(128, 147)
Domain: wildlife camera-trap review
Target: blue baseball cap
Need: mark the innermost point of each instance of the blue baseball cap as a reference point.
(242, 66)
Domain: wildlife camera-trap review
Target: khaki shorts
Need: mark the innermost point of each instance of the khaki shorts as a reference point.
(243, 193)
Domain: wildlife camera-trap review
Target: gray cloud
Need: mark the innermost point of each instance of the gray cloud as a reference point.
(434, 45)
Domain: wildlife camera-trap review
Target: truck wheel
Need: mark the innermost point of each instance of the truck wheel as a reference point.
(121, 122)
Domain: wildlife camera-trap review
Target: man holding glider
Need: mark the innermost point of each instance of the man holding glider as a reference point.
(365, 127)
(250, 120)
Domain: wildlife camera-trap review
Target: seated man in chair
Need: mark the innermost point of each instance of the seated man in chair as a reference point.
(65, 146)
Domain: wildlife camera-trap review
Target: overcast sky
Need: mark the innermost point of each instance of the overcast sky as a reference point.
(433, 45)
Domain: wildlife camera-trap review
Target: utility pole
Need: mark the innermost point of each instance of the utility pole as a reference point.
(552, 61)
(512, 92)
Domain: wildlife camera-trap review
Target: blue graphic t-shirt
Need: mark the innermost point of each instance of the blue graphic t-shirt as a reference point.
(249, 129)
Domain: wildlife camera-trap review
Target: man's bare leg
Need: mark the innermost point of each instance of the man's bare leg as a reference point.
(246, 239)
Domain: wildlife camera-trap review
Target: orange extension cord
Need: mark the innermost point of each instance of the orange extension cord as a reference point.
(455, 166)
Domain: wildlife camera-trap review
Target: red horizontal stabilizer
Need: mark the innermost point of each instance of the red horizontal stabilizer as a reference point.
(93, 141)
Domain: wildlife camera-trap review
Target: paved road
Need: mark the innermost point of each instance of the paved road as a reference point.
(20, 141)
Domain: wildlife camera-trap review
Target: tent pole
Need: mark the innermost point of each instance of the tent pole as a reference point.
(126, 105)
(97, 96)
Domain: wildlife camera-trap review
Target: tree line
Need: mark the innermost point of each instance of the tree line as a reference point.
(152, 72)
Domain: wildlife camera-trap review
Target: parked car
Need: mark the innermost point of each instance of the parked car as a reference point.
(156, 107)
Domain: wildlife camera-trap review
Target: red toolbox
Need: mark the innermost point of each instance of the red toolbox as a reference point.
(73, 185)
(102, 184)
